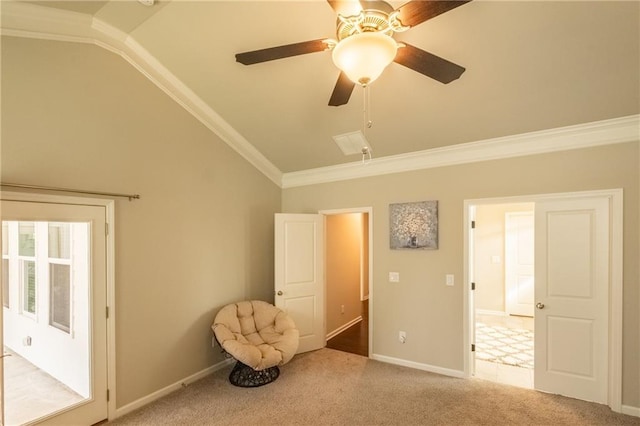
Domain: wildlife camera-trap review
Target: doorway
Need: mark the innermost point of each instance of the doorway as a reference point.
(577, 293)
(503, 273)
(347, 254)
(55, 289)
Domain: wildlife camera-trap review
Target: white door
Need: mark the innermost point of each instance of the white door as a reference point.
(58, 306)
(572, 290)
(299, 275)
(519, 264)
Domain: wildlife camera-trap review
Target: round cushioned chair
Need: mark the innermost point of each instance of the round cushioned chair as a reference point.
(259, 336)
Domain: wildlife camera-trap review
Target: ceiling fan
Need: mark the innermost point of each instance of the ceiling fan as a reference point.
(365, 44)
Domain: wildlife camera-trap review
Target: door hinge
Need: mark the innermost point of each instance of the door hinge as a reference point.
(473, 286)
(107, 311)
(106, 229)
(107, 395)
(473, 224)
(473, 347)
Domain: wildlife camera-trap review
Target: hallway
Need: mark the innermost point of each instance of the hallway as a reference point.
(354, 339)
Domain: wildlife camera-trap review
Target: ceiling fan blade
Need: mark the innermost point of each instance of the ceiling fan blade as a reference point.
(342, 91)
(417, 11)
(280, 52)
(428, 64)
(345, 7)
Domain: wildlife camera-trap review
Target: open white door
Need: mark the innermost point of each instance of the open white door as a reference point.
(54, 318)
(299, 275)
(519, 264)
(572, 291)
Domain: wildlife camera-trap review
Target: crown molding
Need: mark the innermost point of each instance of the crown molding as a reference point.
(605, 132)
(27, 20)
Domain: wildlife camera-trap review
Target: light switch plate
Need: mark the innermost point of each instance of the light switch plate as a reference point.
(449, 278)
(394, 277)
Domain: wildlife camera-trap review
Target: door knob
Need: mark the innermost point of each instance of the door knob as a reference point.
(540, 305)
(280, 293)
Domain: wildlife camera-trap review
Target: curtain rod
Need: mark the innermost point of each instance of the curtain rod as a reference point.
(75, 191)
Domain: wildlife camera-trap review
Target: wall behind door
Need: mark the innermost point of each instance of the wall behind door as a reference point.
(344, 240)
(489, 240)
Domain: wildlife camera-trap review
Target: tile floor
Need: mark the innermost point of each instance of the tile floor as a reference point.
(31, 393)
(501, 373)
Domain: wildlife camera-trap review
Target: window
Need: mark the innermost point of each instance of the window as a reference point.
(27, 259)
(60, 276)
(27, 239)
(29, 286)
(5, 265)
(60, 297)
(5, 283)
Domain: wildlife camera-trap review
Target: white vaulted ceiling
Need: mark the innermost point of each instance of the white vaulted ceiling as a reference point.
(530, 66)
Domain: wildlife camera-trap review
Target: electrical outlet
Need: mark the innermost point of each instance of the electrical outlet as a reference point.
(402, 336)
(449, 279)
(394, 277)
(342, 309)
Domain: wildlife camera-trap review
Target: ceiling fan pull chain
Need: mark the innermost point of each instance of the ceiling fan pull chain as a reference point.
(366, 122)
(366, 110)
(368, 96)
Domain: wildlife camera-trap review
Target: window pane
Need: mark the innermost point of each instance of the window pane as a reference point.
(5, 282)
(5, 238)
(60, 310)
(59, 240)
(29, 286)
(27, 239)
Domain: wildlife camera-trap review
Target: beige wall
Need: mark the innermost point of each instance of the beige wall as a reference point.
(430, 312)
(489, 241)
(77, 116)
(343, 257)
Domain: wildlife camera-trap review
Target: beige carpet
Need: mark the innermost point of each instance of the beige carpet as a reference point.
(329, 387)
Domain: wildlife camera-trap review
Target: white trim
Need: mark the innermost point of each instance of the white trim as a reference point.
(605, 132)
(615, 196)
(342, 328)
(419, 366)
(111, 303)
(110, 267)
(141, 402)
(28, 20)
(630, 411)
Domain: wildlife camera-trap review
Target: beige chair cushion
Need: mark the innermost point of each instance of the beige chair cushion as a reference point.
(256, 333)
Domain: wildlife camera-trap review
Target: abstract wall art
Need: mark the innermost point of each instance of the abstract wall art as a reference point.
(413, 226)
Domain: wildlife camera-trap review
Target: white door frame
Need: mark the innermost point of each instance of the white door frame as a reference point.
(369, 211)
(615, 197)
(109, 206)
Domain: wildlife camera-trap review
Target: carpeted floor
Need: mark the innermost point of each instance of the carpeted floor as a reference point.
(329, 387)
(504, 345)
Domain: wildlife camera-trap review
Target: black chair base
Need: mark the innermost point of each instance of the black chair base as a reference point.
(246, 377)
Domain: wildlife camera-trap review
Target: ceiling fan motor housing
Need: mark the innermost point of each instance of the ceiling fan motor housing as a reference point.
(369, 20)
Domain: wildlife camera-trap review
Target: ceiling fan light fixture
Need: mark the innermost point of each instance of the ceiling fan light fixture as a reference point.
(363, 56)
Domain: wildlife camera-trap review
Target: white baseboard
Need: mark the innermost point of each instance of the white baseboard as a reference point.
(171, 388)
(344, 327)
(419, 366)
(488, 312)
(631, 411)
